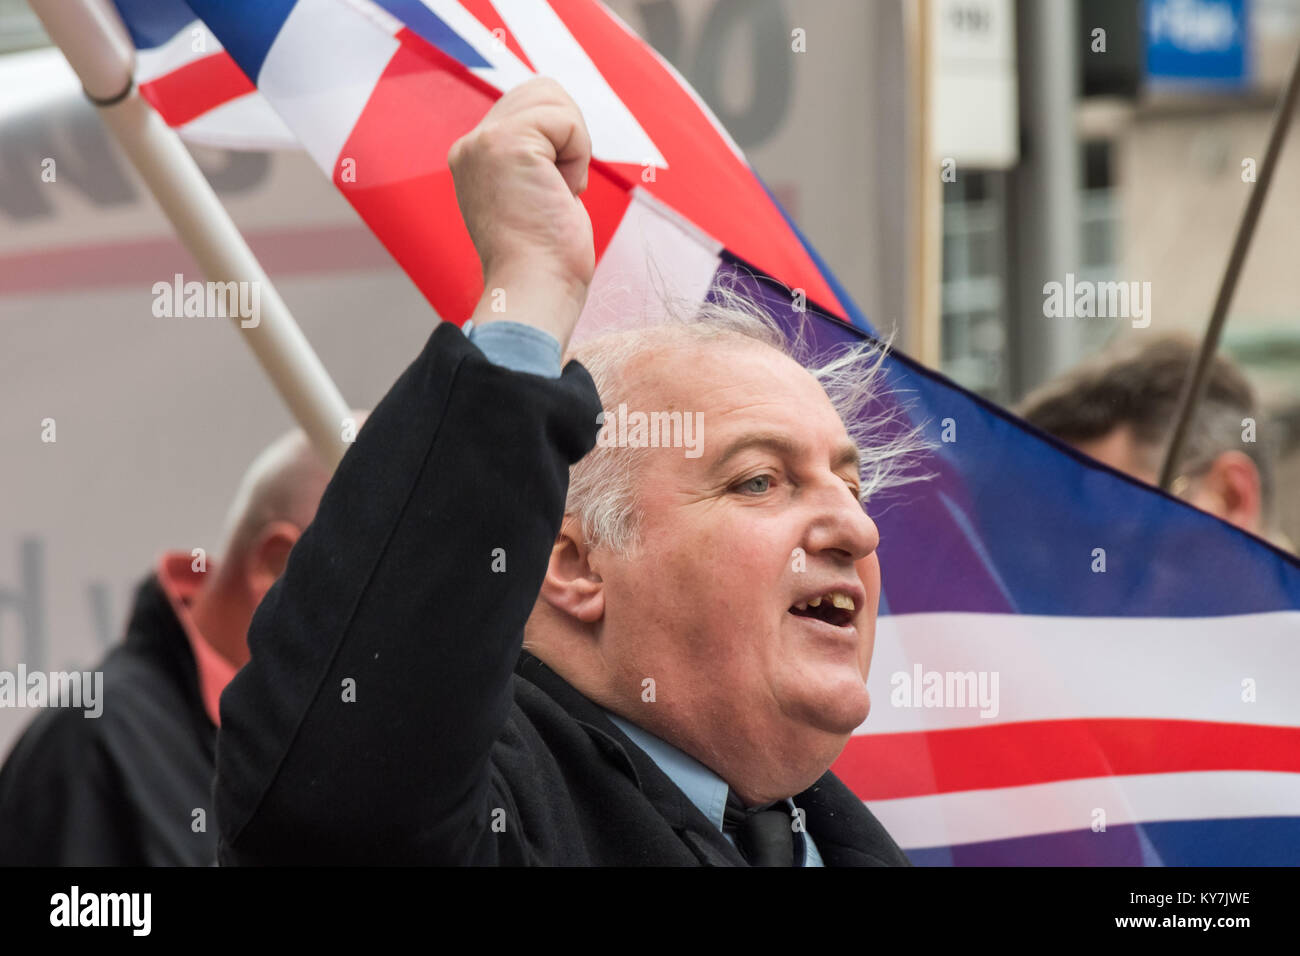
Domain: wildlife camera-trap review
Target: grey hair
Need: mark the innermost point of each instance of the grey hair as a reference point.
(602, 489)
(284, 483)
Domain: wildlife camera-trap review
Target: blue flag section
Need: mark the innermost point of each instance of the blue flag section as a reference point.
(1135, 646)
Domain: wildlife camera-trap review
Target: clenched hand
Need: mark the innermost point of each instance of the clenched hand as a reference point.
(518, 177)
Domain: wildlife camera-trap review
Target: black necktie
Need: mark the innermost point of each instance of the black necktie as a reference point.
(764, 835)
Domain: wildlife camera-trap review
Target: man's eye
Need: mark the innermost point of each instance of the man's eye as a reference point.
(756, 485)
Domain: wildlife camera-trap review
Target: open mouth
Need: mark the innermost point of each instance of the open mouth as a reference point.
(835, 608)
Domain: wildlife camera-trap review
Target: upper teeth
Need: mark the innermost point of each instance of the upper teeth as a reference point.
(837, 598)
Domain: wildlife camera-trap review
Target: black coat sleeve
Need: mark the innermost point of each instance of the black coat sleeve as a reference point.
(361, 729)
(61, 800)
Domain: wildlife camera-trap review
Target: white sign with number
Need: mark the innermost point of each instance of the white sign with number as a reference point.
(974, 65)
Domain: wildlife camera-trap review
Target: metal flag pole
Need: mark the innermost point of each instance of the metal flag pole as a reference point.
(96, 44)
(1194, 387)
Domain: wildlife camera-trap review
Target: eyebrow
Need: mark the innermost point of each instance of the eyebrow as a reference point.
(848, 454)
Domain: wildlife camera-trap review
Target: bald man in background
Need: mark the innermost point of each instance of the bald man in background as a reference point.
(132, 787)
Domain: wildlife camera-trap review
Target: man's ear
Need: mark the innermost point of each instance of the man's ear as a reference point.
(571, 585)
(268, 556)
(1232, 490)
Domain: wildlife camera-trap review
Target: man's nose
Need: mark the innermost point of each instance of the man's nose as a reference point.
(841, 524)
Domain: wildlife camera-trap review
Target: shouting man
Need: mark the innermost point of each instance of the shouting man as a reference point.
(490, 649)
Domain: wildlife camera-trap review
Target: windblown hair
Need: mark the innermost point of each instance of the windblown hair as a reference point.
(602, 486)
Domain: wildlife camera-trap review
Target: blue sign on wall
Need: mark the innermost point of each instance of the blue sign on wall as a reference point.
(1196, 42)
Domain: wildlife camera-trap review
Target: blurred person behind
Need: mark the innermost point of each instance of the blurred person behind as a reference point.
(132, 787)
(1121, 406)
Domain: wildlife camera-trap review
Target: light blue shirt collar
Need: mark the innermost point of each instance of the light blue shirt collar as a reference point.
(702, 786)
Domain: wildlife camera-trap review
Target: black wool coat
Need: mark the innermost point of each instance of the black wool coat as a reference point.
(132, 787)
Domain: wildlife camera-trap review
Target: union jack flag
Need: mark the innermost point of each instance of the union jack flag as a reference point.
(1142, 715)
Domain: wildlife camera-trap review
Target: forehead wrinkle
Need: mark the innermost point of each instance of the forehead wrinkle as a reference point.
(844, 455)
(647, 365)
(757, 387)
(720, 390)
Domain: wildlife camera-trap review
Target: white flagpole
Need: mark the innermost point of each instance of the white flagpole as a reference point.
(96, 44)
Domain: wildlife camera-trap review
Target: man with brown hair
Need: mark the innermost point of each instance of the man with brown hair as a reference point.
(1120, 408)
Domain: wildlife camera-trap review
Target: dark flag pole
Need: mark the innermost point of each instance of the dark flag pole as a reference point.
(1194, 387)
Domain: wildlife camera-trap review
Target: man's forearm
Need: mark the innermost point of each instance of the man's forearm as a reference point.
(532, 295)
(381, 662)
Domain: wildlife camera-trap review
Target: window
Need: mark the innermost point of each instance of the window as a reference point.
(974, 283)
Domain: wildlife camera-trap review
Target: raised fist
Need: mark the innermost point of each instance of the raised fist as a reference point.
(518, 176)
